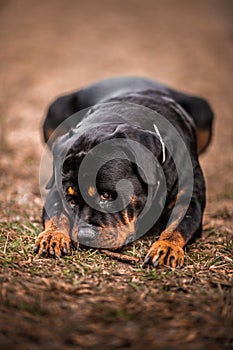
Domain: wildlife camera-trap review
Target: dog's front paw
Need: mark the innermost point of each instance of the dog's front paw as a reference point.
(165, 253)
(52, 243)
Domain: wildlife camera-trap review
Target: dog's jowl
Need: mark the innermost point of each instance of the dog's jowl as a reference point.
(125, 163)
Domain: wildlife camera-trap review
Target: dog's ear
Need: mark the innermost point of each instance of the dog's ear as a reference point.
(51, 182)
(143, 148)
(68, 173)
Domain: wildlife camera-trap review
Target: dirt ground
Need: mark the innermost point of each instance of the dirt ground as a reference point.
(89, 300)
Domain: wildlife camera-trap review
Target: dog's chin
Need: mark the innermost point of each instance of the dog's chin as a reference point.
(106, 238)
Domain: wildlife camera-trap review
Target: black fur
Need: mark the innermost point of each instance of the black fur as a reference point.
(187, 113)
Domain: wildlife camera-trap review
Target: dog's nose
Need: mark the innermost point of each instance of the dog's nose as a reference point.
(86, 234)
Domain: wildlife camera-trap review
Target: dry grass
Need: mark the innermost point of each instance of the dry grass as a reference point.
(90, 300)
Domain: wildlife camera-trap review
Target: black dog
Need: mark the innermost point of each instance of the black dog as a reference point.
(141, 140)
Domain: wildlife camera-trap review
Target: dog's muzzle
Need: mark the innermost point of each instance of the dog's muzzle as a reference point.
(87, 233)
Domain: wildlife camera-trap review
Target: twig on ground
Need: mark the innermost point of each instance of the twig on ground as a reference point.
(119, 256)
(5, 246)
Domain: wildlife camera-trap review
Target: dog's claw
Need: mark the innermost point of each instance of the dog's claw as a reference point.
(146, 261)
(64, 251)
(36, 249)
(44, 252)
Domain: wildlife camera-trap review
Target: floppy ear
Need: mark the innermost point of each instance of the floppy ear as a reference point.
(51, 182)
(68, 172)
(143, 148)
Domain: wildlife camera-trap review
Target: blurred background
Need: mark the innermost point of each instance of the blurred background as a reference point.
(53, 47)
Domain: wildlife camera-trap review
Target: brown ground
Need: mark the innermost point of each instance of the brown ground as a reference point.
(89, 300)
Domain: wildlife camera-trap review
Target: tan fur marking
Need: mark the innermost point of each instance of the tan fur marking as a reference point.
(55, 240)
(107, 238)
(71, 191)
(60, 223)
(167, 253)
(173, 237)
(49, 133)
(125, 217)
(134, 200)
(173, 202)
(52, 134)
(91, 191)
(203, 137)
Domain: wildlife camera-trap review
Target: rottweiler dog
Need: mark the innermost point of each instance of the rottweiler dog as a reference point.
(125, 163)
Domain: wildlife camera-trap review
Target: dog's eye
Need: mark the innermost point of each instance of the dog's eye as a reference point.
(105, 196)
(108, 196)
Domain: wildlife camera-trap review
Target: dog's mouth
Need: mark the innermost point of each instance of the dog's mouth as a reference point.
(109, 237)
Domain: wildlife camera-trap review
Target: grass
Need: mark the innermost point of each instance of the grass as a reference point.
(106, 295)
(209, 255)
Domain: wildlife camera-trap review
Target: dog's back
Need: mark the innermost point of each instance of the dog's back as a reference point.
(103, 91)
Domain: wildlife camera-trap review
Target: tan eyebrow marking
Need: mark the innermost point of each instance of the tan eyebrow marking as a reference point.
(71, 191)
(125, 217)
(91, 191)
(134, 200)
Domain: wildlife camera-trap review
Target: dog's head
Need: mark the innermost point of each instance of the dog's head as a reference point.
(105, 188)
